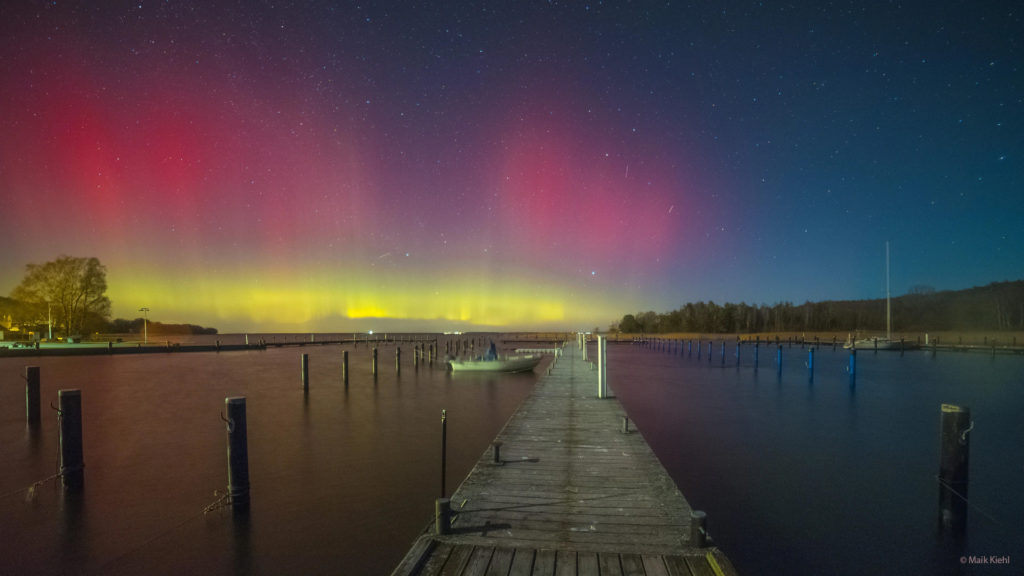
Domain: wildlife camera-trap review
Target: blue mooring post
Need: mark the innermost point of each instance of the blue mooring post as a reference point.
(723, 352)
(853, 366)
(711, 350)
(698, 349)
(757, 345)
(737, 353)
(810, 364)
(778, 360)
(689, 348)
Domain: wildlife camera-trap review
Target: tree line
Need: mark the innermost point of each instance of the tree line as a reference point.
(68, 295)
(997, 306)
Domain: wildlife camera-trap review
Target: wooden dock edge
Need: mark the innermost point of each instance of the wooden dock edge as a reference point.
(432, 555)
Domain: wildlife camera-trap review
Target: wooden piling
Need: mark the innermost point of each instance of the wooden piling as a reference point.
(602, 367)
(442, 516)
(72, 463)
(953, 467)
(778, 360)
(238, 452)
(305, 372)
(32, 395)
(444, 452)
(398, 360)
(698, 529)
(373, 363)
(757, 351)
(344, 367)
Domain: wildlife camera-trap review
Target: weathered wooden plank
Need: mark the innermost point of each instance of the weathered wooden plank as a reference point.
(654, 565)
(478, 561)
(437, 560)
(417, 557)
(544, 563)
(677, 566)
(501, 562)
(699, 566)
(522, 562)
(565, 563)
(586, 564)
(457, 560)
(632, 565)
(608, 564)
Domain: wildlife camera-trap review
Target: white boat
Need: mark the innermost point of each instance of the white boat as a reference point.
(880, 343)
(521, 363)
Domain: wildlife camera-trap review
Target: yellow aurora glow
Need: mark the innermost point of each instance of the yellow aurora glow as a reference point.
(353, 300)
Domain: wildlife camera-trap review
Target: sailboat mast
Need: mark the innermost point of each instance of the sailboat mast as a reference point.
(888, 303)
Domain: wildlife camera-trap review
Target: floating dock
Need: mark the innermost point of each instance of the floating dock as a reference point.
(568, 487)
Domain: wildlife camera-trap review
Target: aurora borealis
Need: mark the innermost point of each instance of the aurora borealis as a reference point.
(513, 165)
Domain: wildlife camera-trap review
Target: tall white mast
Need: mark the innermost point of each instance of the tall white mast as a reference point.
(888, 305)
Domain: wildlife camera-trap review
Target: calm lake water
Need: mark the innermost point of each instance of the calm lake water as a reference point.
(342, 481)
(795, 477)
(822, 478)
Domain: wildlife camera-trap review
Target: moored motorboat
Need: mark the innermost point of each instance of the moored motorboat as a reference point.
(521, 363)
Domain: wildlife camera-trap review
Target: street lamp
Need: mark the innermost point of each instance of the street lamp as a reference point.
(145, 323)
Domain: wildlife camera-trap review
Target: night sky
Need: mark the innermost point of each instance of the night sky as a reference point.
(511, 165)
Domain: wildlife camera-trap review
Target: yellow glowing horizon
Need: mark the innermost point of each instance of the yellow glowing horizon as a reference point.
(356, 299)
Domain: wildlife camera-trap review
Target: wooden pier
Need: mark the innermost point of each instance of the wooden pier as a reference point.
(567, 491)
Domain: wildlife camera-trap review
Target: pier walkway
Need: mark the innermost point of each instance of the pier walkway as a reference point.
(571, 494)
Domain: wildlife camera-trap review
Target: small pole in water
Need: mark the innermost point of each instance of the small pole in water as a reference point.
(32, 396)
(778, 360)
(344, 367)
(810, 364)
(737, 353)
(853, 366)
(305, 372)
(373, 364)
(398, 360)
(757, 346)
(71, 454)
(953, 467)
(723, 353)
(444, 451)
(238, 453)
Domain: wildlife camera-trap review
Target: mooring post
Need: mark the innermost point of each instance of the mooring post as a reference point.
(305, 372)
(625, 424)
(344, 367)
(737, 353)
(238, 452)
(602, 367)
(852, 369)
(723, 352)
(496, 446)
(953, 467)
(442, 515)
(698, 348)
(698, 529)
(32, 395)
(72, 462)
(444, 451)
(373, 363)
(778, 360)
(398, 359)
(810, 364)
